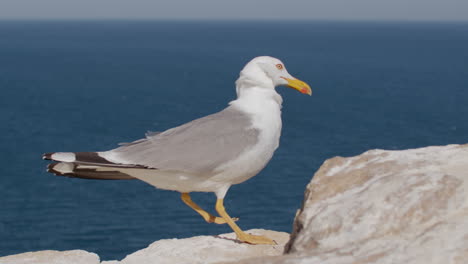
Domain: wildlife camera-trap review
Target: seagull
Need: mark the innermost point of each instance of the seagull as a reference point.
(208, 154)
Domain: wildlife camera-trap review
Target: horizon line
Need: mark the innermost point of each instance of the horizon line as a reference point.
(229, 20)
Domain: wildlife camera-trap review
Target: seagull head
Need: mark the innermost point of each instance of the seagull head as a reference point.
(268, 72)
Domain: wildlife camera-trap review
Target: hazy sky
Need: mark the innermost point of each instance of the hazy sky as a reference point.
(236, 9)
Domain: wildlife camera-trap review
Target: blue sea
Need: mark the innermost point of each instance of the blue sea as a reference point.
(82, 86)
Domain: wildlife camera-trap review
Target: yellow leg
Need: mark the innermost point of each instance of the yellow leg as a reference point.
(207, 216)
(241, 235)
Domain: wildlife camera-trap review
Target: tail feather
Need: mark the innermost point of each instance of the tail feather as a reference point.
(47, 156)
(87, 165)
(75, 171)
(90, 158)
(81, 157)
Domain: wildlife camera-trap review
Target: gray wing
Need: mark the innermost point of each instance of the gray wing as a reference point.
(197, 147)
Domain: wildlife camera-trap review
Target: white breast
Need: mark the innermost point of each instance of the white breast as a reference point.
(265, 109)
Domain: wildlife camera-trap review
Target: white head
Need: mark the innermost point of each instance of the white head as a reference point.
(267, 72)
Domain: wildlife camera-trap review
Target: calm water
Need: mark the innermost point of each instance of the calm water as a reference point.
(78, 86)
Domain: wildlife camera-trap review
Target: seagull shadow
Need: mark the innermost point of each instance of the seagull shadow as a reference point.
(240, 242)
(230, 239)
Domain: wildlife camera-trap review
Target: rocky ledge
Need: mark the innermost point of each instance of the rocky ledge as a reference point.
(407, 206)
(199, 249)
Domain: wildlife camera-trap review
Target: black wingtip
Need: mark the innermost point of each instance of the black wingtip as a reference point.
(47, 156)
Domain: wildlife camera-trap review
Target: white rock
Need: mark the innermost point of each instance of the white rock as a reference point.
(200, 249)
(207, 249)
(385, 207)
(52, 257)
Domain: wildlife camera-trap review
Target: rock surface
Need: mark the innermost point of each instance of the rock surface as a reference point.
(200, 249)
(52, 257)
(385, 207)
(207, 249)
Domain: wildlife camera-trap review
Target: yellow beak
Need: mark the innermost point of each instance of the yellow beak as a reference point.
(299, 85)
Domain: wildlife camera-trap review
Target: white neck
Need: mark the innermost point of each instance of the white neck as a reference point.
(256, 88)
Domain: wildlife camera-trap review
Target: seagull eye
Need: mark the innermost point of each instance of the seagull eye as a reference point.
(279, 66)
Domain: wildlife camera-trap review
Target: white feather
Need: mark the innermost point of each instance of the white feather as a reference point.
(64, 167)
(64, 156)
